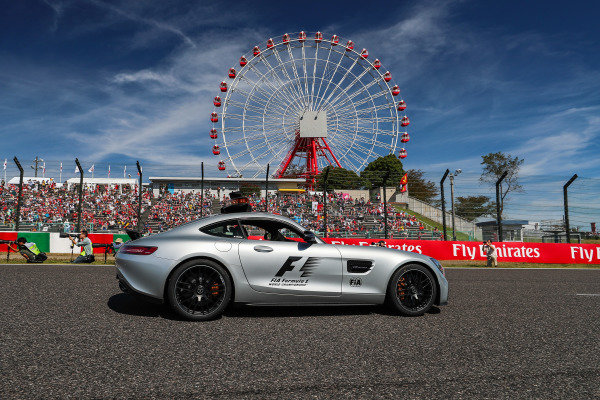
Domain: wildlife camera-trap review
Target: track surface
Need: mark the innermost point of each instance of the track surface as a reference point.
(67, 331)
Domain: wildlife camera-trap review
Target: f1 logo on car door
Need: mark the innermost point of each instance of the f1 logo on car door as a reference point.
(292, 267)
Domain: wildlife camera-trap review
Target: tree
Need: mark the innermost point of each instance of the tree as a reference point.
(494, 165)
(339, 178)
(374, 172)
(473, 207)
(421, 188)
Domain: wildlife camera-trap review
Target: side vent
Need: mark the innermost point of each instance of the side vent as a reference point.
(359, 266)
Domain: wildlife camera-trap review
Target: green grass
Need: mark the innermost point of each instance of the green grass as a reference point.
(459, 235)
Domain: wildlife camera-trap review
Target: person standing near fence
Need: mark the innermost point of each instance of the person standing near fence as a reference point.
(492, 254)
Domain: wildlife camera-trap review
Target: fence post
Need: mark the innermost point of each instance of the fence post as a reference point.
(385, 214)
(325, 200)
(566, 204)
(202, 190)
(139, 213)
(18, 211)
(80, 195)
(267, 189)
(443, 202)
(498, 213)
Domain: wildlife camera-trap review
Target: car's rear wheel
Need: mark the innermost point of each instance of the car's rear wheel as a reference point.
(412, 290)
(199, 290)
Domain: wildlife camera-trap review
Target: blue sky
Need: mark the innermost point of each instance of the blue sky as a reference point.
(112, 82)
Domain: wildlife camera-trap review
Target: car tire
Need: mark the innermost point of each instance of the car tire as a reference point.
(199, 290)
(412, 290)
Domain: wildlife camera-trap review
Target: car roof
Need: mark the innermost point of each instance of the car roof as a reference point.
(246, 215)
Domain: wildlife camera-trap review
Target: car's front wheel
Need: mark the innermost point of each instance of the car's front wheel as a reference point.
(412, 290)
(199, 290)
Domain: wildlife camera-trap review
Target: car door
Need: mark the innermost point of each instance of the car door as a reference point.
(291, 267)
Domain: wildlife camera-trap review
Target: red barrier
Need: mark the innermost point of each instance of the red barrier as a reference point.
(100, 238)
(545, 253)
(6, 236)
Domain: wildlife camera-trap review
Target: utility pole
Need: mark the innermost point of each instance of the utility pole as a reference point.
(36, 162)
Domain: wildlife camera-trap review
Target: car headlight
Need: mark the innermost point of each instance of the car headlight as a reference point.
(438, 264)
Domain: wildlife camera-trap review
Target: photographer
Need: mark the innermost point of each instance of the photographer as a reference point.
(492, 255)
(87, 252)
(30, 251)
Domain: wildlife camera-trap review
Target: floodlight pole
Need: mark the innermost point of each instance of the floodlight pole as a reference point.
(385, 214)
(80, 189)
(139, 211)
(18, 211)
(566, 204)
(498, 198)
(202, 189)
(443, 202)
(327, 169)
(267, 189)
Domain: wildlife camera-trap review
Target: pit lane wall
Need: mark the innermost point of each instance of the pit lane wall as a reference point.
(543, 253)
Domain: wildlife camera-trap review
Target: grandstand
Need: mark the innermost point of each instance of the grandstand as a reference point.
(47, 206)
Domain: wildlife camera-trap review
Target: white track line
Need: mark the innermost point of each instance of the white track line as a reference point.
(587, 294)
(591, 268)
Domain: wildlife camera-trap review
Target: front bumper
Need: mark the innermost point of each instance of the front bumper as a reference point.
(443, 283)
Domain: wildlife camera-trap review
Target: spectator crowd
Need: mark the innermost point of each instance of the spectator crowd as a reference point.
(47, 206)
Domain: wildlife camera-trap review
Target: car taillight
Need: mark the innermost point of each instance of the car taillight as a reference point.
(139, 250)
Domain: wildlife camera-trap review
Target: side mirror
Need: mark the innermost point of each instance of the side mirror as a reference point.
(309, 237)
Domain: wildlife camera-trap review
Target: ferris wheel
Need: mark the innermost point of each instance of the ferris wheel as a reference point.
(305, 102)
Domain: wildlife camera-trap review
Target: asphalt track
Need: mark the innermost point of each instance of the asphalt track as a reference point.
(67, 331)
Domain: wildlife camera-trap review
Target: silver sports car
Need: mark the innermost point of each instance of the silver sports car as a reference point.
(260, 258)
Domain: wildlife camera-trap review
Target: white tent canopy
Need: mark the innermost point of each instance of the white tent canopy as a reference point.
(28, 179)
(103, 181)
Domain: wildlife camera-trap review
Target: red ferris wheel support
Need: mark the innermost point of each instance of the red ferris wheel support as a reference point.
(310, 149)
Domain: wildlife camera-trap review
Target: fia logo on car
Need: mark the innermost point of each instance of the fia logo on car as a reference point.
(355, 282)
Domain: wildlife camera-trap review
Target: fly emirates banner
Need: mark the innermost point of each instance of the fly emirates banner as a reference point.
(549, 253)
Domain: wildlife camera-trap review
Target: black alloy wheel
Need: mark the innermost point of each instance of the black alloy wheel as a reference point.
(412, 290)
(199, 290)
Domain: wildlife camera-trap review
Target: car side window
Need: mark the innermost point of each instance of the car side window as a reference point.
(254, 232)
(290, 234)
(228, 229)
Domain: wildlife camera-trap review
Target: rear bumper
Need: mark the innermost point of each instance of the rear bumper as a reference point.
(127, 288)
(145, 275)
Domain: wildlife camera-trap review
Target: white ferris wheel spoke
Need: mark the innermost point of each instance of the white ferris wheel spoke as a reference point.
(294, 69)
(329, 80)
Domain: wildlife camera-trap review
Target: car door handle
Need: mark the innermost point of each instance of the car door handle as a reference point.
(263, 249)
